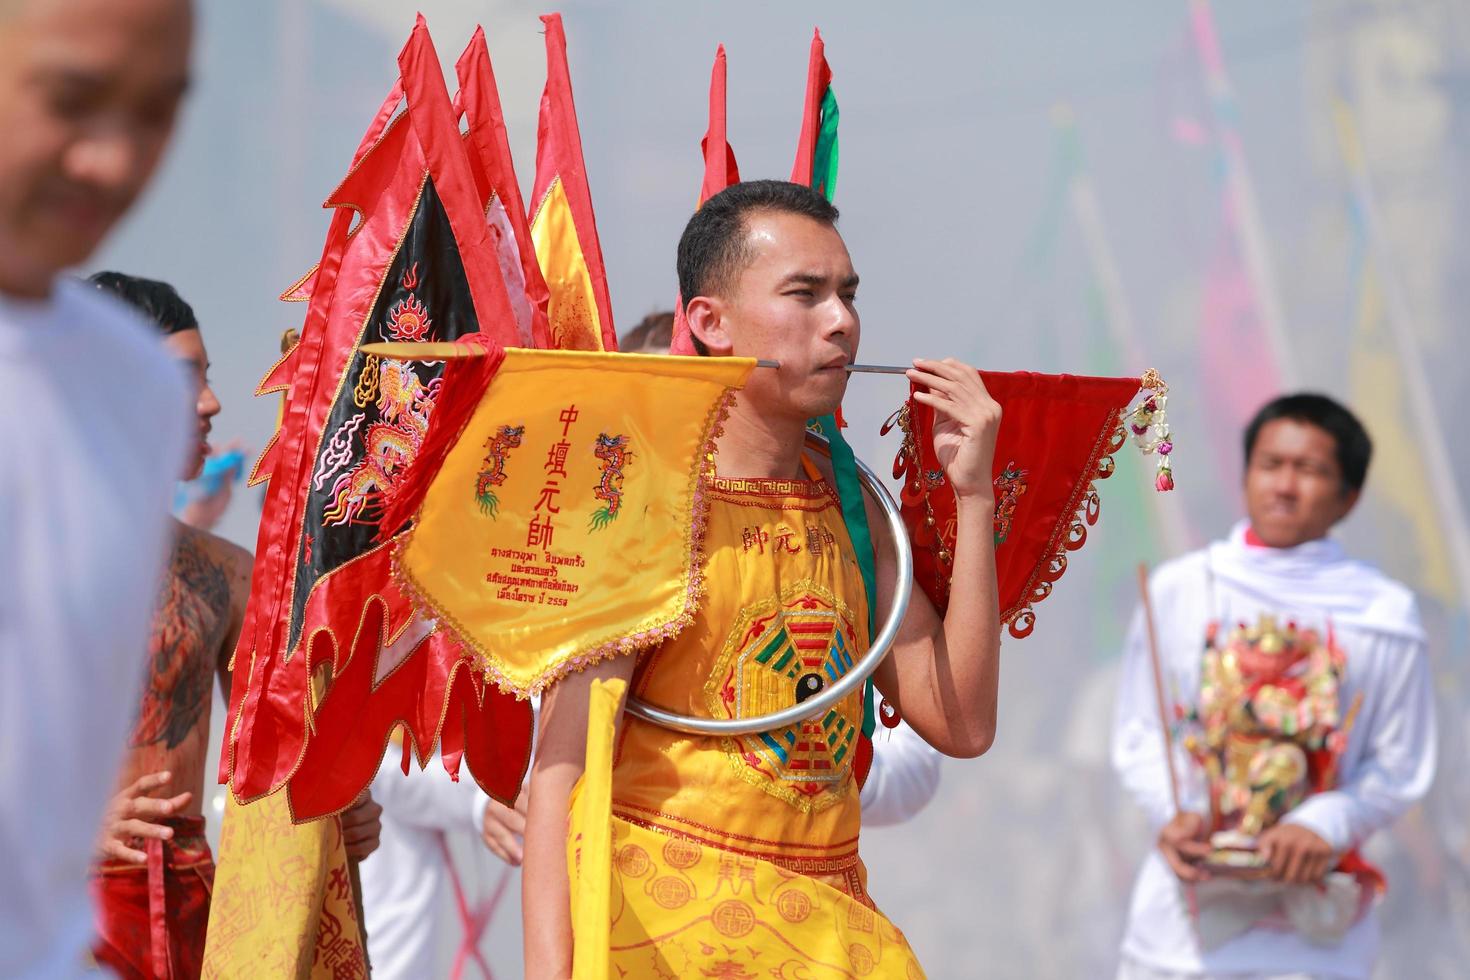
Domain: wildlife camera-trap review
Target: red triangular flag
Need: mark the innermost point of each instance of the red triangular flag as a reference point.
(1058, 437)
(720, 172)
(818, 80)
(495, 176)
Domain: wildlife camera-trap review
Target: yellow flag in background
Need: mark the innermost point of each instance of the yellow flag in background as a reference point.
(562, 527)
(563, 227)
(572, 308)
(1376, 380)
(283, 902)
(1411, 484)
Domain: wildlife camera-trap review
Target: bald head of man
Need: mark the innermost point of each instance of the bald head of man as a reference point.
(89, 90)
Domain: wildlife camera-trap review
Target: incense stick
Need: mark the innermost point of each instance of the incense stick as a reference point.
(1153, 652)
(1191, 896)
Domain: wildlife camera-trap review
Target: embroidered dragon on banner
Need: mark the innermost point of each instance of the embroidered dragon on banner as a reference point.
(614, 453)
(389, 445)
(492, 467)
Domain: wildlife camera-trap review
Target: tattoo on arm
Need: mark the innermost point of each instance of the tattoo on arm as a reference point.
(189, 622)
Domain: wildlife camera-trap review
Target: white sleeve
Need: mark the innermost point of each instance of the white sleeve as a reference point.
(1138, 745)
(1398, 760)
(428, 798)
(903, 779)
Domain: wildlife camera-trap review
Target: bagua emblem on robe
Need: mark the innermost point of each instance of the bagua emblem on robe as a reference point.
(782, 653)
(492, 468)
(613, 454)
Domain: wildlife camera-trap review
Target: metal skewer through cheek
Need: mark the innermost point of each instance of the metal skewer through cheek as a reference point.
(850, 368)
(817, 705)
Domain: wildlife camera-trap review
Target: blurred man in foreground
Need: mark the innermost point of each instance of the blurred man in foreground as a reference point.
(97, 425)
(1308, 724)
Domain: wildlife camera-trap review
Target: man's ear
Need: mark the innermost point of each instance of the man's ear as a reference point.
(707, 324)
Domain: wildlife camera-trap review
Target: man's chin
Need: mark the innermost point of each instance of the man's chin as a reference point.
(828, 401)
(66, 240)
(1282, 532)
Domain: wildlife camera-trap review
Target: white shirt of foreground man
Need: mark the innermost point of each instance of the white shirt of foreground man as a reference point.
(1387, 766)
(95, 435)
(94, 424)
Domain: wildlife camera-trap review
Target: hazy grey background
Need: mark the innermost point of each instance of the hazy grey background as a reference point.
(948, 191)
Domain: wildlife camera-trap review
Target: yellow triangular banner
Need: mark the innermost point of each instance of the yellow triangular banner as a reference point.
(564, 524)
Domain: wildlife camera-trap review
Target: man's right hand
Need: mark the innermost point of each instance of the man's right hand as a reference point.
(133, 813)
(1182, 842)
(504, 829)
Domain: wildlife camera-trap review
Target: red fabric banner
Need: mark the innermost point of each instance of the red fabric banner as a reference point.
(818, 79)
(324, 609)
(1057, 436)
(720, 171)
(495, 174)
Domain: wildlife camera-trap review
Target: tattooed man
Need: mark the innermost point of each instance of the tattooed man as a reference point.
(155, 871)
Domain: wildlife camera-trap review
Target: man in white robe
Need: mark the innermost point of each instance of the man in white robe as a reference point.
(1306, 461)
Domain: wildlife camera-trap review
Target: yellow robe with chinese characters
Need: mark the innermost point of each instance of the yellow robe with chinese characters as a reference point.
(738, 858)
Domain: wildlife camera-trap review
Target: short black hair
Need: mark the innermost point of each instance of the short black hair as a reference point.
(712, 250)
(1354, 447)
(158, 301)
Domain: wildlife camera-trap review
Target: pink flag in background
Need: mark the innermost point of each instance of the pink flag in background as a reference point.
(1239, 372)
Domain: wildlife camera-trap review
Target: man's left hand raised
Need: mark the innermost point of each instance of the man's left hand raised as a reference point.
(966, 422)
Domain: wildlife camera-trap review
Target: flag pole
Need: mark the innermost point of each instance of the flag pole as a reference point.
(1190, 895)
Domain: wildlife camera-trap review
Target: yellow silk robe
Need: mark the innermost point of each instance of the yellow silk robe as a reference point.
(738, 857)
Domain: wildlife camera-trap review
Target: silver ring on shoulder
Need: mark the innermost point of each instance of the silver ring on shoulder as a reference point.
(815, 706)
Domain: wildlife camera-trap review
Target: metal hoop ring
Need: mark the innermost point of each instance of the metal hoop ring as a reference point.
(851, 681)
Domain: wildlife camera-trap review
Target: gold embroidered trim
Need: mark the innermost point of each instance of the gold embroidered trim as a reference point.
(1070, 533)
(790, 845)
(800, 865)
(806, 489)
(256, 477)
(809, 505)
